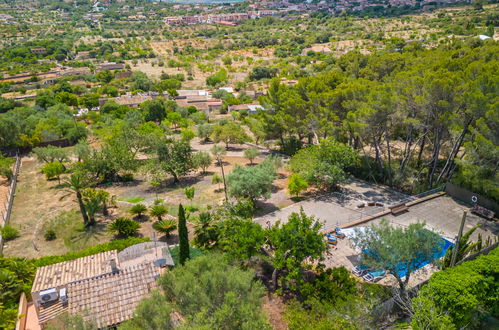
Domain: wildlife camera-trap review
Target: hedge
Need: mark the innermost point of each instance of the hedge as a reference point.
(119, 245)
(467, 293)
(193, 253)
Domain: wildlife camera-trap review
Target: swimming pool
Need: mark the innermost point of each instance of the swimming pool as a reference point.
(444, 245)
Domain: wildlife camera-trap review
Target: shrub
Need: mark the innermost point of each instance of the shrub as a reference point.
(251, 153)
(158, 211)
(202, 160)
(459, 297)
(124, 227)
(138, 210)
(9, 233)
(296, 184)
(165, 226)
(119, 244)
(53, 170)
(50, 235)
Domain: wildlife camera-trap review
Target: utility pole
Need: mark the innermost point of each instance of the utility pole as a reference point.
(456, 246)
(220, 161)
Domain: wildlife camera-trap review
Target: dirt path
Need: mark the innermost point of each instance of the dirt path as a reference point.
(275, 308)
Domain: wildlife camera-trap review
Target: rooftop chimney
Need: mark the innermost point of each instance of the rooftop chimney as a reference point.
(114, 266)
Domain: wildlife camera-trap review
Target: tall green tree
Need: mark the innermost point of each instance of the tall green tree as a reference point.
(229, 133)
(396, 249)
(460, 297)
(183, 236)
(252, 182)
(77, 183)
(291, 243)
(175, 157)
(324, 165)
(189, 290)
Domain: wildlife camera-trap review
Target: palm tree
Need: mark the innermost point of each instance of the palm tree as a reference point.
(165, 226)
(76, 183)
(105, 200)
(205, 230)
(92, 206)
(158, 211)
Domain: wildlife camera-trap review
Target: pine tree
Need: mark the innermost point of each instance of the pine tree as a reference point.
(183, 237)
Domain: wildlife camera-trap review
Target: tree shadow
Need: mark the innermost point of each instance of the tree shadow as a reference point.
(275, 189)
(171, 239)
(234, 148)
(184, 182)
(263, 207)
(206, 173)
(142, 219)
(88, 233)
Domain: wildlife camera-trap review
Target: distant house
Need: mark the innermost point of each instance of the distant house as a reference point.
(132, 100)
(199, 98)
(110, 66)
(124, 74)
(251, 108)
(82, 55)
(74, 71)
(103, 288)
(40, 51)
(317, 49)
(483, 37)
(227, 89)
(193, 92)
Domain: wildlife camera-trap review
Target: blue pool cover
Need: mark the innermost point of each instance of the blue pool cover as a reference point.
(445, 244)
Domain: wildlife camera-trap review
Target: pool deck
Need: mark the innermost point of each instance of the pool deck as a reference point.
(439, 211)
(443, 215)
(344, 254)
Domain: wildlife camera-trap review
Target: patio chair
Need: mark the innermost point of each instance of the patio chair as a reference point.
(331, 239)
(339, 233)
(360, 270)
(374, 276)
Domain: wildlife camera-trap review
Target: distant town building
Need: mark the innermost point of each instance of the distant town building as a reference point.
(40, 51)
(110, 66)
(251, 108)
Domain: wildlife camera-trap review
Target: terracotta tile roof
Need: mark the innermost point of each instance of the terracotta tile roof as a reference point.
(46, 312)
(111, 298)
(63, 273)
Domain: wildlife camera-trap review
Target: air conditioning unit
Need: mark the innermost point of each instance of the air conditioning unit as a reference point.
(48, 295)
(63, 295)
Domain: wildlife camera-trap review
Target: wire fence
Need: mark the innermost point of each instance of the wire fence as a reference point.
(5, 215)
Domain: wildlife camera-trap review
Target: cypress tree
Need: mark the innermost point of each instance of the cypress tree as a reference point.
(183, 236)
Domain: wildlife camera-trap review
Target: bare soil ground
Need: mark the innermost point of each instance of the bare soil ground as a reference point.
(275, 309)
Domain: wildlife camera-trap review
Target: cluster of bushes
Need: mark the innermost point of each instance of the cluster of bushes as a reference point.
(460, 297)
